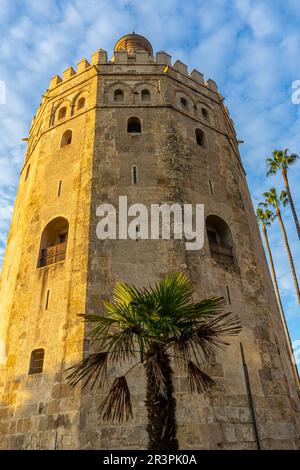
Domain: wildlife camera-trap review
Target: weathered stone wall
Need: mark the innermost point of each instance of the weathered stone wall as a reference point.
(41, 411)
(35, 408)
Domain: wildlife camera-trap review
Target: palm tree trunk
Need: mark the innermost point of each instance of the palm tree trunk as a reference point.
(289, 253)
(283, 320)
(272, 269)
(161, 408)
(287, 187)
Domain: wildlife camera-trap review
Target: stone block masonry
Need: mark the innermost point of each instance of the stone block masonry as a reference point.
(80, 154)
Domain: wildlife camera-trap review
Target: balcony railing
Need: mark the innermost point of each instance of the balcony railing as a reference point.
(222, 253)
(53, 254)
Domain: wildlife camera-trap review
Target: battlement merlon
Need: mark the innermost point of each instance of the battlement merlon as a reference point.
(56, 80)
(83, 65)
(162, 58)
(123, 57)
(99, 57)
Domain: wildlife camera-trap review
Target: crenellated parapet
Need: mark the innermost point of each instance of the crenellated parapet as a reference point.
(123, 58)
(133, 57)
(135, 60)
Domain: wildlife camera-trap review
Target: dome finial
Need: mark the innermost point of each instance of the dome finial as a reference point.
(134, 42)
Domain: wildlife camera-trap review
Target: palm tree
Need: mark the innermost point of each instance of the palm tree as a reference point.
(152, 326)
(282, 161)
(272, 199)
(265, 219)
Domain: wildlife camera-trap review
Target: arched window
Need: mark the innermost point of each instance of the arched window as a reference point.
(54, 242)
(36, 361)
(66, 138)
(27, 172)
(200, 138)
(134, 125)
(134, 175)
(62, 113)
(119, 95)
(184, 103)
(145, 95)
(220, 240)
(81, 103)
(205, 114)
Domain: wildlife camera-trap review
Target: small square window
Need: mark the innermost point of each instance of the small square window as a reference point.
(36, 361)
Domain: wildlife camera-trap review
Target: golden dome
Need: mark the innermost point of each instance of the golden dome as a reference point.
(132, 43)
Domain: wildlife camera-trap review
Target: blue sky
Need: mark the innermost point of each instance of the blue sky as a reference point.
(250, 48)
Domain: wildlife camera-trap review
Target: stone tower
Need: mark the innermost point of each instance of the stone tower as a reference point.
(138, 126)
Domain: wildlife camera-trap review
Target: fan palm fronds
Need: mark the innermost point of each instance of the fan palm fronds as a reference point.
(198, 380)
(151, 324)
(281, 161)
(117, 404)
(91, 369)
(265, 217)
(209, 335)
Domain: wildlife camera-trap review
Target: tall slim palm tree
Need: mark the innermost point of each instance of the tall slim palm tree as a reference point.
(282, 161)
(272, 199)
(153, 326)
(265, 217)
